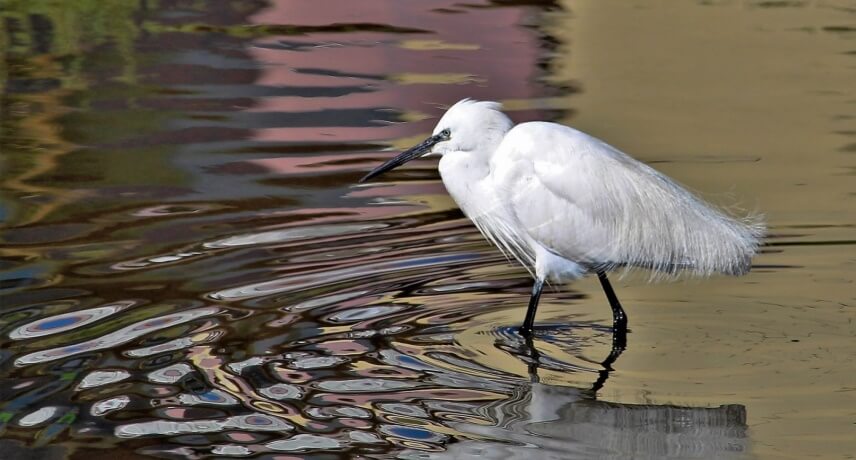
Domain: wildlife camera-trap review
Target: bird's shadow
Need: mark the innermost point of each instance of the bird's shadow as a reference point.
(524, 347)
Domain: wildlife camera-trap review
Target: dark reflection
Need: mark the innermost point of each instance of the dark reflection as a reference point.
(561, 422)
(569, 422)
(618, 345)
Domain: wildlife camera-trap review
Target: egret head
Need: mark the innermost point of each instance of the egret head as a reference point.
(466, 127)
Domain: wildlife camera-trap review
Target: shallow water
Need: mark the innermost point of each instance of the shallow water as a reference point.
(188, 270)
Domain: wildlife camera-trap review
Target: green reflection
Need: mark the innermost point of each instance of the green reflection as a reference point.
(56, 58)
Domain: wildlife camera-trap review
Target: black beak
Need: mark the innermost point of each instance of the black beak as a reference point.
(404, 157)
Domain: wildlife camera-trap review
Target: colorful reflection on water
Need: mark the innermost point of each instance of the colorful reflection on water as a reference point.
(188, 270)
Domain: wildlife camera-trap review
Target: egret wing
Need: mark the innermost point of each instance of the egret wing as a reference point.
(590, 203)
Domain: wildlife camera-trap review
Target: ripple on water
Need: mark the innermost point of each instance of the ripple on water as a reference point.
(364, 385)
(214, 397)
(176, 344)
(231, 450)
(252, 422)
(170, 374)
(303, 443)
(363, 313)
(67, 321)
(319, 362)
(350, 274)
(291, 234)
(174, 210)
(156, 261)
(411, 410)
(38, 417)
(413, 433)
(329, 412)
(322, 301)
(102, 377)
(281, 391)
(121, 336)
(106, 406)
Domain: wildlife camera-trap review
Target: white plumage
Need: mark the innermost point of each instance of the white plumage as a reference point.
(548, 185)
(564, 203)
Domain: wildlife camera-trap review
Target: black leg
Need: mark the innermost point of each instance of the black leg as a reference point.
(619, 332)
(526, 329)
(619, 318)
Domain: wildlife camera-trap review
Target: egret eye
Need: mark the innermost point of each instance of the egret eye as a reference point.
(446, 134)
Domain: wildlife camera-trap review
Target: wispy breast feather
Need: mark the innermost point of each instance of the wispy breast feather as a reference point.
(507, 239)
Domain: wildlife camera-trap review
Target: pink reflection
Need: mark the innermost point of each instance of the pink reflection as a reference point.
(404, 189)
(313, 164)
(458, 55)
(355, 423)
(176, 413)
(326, 133)
(240, 436)
(343, 347)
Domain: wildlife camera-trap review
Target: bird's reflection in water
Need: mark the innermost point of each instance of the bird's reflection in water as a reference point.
(619, 344)
(552, 422)
(541, 421)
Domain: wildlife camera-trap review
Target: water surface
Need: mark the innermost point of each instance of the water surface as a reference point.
(188, 270)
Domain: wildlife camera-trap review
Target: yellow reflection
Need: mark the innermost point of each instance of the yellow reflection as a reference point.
(433, 45)
(544, 103)
(435, 78)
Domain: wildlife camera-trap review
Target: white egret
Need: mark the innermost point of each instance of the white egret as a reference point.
(565, 204)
